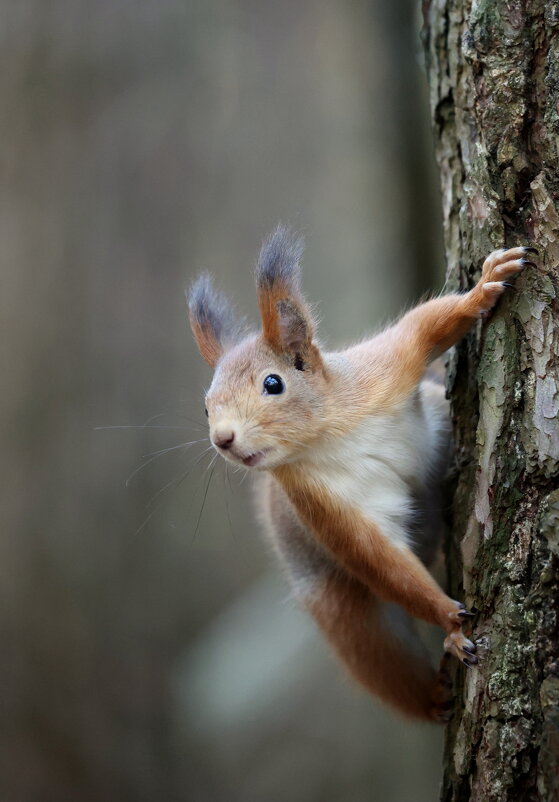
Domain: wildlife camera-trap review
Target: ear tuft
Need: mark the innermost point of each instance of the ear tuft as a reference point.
(287, 323)
(212, 319)
(278, 263)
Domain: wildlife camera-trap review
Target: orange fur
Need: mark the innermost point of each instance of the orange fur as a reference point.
(387, 664)
(208, 345)
(393, 574)
(401, 353)
(268, 302)
(362, 409)
(378, 645)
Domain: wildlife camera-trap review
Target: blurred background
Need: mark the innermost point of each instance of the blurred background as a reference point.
(150, 647)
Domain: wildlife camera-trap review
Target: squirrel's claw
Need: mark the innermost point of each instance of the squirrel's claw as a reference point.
(460, 613)
(458, 644)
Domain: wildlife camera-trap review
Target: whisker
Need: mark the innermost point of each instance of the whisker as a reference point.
(226, 482)
(212, 465)
(148, 424)
(209, 448)
(154, 417)
(228, 478)
(175, 482)
(155, 456)
(211, 462)
(173, 448)
(140, 426)
(202, 425)
(181, 478)
(172, 485)
(149, 517)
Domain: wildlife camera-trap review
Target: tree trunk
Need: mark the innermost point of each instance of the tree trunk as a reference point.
(494, 81)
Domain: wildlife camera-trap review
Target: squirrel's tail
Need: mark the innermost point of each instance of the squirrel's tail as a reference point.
(377, 641)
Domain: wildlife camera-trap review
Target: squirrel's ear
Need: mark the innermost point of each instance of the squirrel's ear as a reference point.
(287, 323)
(212, 319)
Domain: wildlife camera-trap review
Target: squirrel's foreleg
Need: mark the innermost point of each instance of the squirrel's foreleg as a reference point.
(381, 648)
(428, 330)
(392, 572)
(376, 641)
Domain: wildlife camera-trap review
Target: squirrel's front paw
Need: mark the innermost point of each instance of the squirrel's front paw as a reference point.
(458, 644)
(499, 266)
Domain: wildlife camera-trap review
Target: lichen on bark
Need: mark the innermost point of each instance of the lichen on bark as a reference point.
(494, 81)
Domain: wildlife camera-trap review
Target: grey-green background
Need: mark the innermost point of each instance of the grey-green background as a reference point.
(150, 648)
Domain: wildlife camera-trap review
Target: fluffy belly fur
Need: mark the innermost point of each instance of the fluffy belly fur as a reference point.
(390, 467)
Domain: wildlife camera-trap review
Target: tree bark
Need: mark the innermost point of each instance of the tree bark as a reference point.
(494, 81)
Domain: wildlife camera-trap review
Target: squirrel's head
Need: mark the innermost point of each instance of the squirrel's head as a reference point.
(266, 403)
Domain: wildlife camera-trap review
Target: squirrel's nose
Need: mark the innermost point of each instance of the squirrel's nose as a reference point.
(224, 439)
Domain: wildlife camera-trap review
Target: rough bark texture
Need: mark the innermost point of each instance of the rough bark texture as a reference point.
(494, 81)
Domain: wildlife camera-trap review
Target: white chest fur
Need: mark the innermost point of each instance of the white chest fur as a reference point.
(383, 464)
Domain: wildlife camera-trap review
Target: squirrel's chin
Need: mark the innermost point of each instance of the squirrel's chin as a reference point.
(255, 459)
(264, 459)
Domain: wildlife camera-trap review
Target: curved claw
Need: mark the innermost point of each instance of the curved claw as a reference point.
(531, 249)
(458, 644)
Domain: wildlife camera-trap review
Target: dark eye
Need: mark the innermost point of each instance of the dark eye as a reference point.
(273, 384)
(206, 411)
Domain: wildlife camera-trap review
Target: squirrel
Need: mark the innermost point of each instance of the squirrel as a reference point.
(352, 446)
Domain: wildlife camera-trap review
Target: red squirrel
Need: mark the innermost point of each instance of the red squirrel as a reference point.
(352, 445)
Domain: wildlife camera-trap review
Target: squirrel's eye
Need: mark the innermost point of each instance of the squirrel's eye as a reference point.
(206, 411)
(273, 384)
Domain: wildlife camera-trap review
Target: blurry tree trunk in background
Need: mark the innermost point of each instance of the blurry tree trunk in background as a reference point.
(494, 81)
(141, 142)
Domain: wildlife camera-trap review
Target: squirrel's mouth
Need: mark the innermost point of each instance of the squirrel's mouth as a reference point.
(250, 460)
(253, 459)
